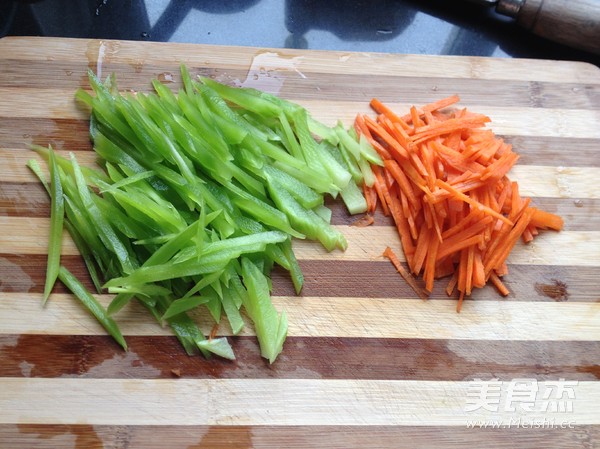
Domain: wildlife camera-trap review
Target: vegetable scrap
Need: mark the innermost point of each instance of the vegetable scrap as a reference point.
(445, 183)
(198, 196)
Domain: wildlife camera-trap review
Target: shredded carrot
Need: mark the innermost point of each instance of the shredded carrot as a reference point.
(410, 280)
(445, 183)
(499, 284)
(371, 197)
(213, 332)
(364, 221)
(436, 105)
(381, 189)
(546, 220)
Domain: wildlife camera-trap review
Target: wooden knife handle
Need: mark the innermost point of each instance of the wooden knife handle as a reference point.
(575, 23)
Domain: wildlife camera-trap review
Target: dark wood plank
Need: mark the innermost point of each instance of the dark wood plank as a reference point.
(72, 134)
(368, 279)
(29, 199)
(61, 133)
(153, 357)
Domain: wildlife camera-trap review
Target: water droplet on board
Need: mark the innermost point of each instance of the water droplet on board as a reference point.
(578, 203)
(269, 70)
(100, 60)
(14, 278)
(138, 66)
(166, 77)
(99, 53)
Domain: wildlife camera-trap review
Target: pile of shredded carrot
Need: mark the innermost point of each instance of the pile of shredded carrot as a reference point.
(445, 184)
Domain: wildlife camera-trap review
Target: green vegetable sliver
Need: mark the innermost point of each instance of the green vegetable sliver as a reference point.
(92, 304)
(201, 193)
(270, 327)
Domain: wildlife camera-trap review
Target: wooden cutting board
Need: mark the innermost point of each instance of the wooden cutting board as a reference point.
(367, 364)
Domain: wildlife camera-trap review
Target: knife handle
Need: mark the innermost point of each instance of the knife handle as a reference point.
(575, 23)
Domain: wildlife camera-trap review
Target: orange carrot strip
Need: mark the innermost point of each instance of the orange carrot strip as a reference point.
(499, 284)
(444, 268)
(406, 211)
(470, 267)
(423, 243)
(360, 123)
(437, 129)
(527, 236)
(419, 166)
(402, 136)
(403, 182)
(213, 331)
(410, 280)
(403, 228)
(462, 272)
(455, 159)
(500, 167)
(499, 238)
(445, 184)
(502, 270)
(458, 246)
(415, 118)
(371, 198)
(452, 283)
(380, 187)
(478, 271)
(381, 108)
(412, 173)
(464, 238)
(463, 223)
(394, 148)
(546, 220)
(469, 201)
(436, 105)
(429, 271)
(364, 221)
(511, 239)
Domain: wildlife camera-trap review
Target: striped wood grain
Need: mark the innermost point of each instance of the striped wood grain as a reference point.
(367, 363)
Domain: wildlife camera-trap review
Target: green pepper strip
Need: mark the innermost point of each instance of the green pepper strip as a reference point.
(92, 304)
(183, 305)
(57, 213)
(271, 328)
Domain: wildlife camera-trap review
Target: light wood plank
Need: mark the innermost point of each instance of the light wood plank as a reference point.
(572, 123)
(22, 313)
(227, 402)
(556, 182)
(25, 235)
(534, 180)
(110, 51)
(40, 103)
(578, 248)
(14, 161)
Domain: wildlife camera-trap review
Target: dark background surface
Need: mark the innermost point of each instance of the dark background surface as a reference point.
(434, 27)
